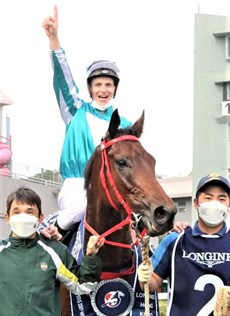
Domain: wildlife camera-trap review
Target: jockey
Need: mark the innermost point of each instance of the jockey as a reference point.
(86, 122)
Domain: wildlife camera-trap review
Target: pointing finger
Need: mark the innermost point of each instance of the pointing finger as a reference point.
(55, 13)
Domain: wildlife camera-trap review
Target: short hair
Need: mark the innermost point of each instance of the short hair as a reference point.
(24, 195)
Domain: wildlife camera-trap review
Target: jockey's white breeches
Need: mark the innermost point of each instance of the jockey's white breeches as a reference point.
(72, 202)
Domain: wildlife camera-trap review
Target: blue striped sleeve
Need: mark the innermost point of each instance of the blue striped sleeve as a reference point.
(161, 259)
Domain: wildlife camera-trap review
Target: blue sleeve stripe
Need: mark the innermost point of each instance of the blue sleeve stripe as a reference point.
(65, 88)
(162, 248)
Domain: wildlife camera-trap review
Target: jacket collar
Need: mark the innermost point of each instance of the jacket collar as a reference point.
(26, 242)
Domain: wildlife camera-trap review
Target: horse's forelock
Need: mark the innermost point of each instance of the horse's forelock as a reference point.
(119, 132)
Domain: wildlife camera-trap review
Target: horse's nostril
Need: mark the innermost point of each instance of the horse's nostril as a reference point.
(160, 214)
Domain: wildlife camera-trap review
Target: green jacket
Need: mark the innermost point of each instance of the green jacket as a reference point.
(31, 271)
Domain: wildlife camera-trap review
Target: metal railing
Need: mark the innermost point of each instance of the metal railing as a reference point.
(33, 179)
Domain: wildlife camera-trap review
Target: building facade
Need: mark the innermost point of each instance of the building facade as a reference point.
(211, 116)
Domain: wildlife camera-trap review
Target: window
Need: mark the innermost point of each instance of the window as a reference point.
(226, 91)
(181, 204)
(227, 47)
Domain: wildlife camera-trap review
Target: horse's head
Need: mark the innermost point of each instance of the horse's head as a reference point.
(133, 171)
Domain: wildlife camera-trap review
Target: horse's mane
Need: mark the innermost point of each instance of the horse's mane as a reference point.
(107, 137)
(88, 170)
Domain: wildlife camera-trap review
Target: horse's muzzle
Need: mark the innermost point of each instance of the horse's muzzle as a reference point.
(160, 222)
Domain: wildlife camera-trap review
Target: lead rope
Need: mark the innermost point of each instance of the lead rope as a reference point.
(146, 260)
(222, 306)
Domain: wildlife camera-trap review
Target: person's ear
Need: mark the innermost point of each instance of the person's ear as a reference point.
(7, 218)
(41, 217)
(195, 202)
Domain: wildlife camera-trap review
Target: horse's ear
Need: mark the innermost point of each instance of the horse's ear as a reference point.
(114, 123)
(138, 126)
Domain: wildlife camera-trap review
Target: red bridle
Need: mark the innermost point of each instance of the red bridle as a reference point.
(105, 172)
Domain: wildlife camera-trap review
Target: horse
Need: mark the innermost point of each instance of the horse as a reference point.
(124, 198)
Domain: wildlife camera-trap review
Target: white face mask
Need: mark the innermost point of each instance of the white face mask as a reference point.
(212, 213)
(100, 107)
(24, 225)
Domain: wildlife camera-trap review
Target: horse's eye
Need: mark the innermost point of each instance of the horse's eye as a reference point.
(121, 162)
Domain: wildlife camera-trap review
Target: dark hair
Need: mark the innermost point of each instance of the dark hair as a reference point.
(24, 195)
(198, 193)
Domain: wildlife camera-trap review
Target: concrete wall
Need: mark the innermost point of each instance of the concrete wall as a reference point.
(185, 213)
(47, 193)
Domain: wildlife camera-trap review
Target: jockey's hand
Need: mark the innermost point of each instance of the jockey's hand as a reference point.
(144, 272)
(179, 226)
(51, 232)
(94, 244)
(50, 24)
